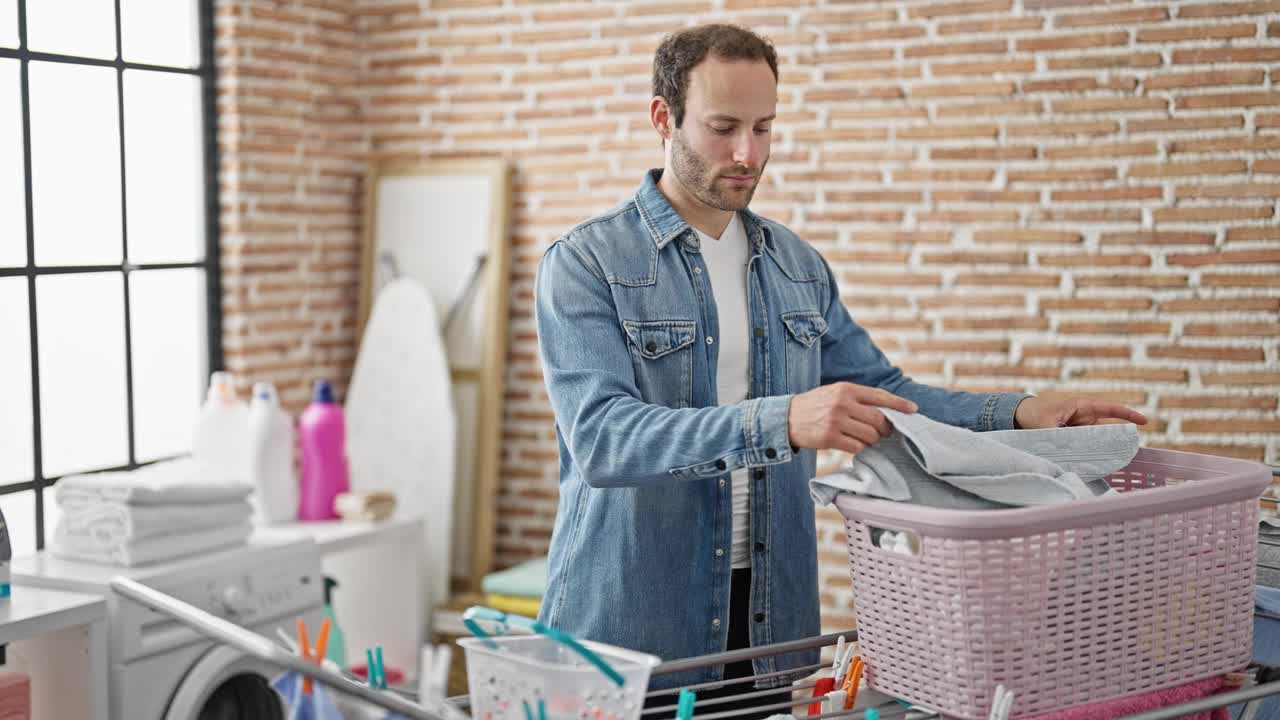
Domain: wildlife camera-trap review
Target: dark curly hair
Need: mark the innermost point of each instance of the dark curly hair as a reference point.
(681, 51)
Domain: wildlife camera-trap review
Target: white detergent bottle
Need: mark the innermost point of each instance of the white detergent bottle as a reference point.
(271, 442)
(220, 446)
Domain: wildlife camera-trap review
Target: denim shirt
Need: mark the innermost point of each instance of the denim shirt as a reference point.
(627, 332)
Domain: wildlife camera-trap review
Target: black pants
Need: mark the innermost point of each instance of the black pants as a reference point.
(739, 638)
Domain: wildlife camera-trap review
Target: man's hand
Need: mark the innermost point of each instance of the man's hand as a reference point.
(1036, 412)
(842, 416)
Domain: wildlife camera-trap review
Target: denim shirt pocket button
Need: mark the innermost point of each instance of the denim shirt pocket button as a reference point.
(720, 465)
(662, 358)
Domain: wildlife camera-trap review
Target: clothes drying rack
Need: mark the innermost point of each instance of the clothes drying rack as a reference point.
(660, 704)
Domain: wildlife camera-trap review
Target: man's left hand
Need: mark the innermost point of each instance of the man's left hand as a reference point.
(1037, 412)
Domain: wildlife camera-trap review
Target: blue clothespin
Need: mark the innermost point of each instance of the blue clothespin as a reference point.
(684, 708)
(382, 672)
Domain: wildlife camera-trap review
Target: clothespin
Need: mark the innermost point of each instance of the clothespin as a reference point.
(433, 671)
(851, 682)
(849, 654)
(304, 649)
(871, 714)
(382, 672)
(684, 706)
(835, 664)
(1001, 703)
(834, 701)
(371, 670)
(820, 689)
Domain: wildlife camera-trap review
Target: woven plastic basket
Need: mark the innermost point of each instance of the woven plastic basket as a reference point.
(1066, 604)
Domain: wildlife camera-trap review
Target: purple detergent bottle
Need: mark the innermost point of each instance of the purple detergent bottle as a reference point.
(322, 437)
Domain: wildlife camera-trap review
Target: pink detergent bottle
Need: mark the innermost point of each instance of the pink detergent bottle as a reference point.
(322, 437)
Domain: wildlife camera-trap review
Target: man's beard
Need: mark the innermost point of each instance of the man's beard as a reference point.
(701, 181)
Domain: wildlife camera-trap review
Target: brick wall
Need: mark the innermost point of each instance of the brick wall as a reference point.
(293, 154)
(1036, 195)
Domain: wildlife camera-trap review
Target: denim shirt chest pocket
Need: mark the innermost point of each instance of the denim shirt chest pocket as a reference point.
(805, 329)
(662, 355)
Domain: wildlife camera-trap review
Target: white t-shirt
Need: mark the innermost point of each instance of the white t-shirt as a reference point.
(726, 260)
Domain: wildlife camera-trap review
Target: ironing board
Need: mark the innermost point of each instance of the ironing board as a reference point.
(400, 420)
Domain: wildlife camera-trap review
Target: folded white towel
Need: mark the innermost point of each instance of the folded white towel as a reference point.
(173, 482)
(930, 463)
(151, 549)
(107, 522)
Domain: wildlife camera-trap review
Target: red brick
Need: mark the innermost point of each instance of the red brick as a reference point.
(1228, 304)
(1239, 329)
(1082, 304)
(1229, 9)
(1014, 107)
(994, 25)
(1093, 62)
(1020, 236)
(1050, 128)
(1175, 33)
(983, 153)
(1051, 175)
(872, 34)
(983, 67)
(1050, 43)
(1125, 17)
(1256, 233)
(1238, 280)
(1205, 352)
(1156, 238)
(1239, 143)
(986, 196)
(1135, 192)
(1226, 257)
(1212, 213)
(1003, 89)
(1102, 150)
(1227, 100)
(1183, 124)
(937, 130)
(1235, 190)
(1209, 55)
(1110, 104)
(1037, 351)
(1188, 169)
(1233, 402)
(1095, 260)
(1132, 374)
(980, 47)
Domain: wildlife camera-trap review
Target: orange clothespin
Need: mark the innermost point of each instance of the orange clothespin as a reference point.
(851, 681)
(304, 649)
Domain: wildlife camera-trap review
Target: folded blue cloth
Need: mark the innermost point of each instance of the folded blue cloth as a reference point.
(528, 579)
(930, 463)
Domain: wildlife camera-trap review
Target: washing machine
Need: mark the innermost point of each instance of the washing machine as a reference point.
(164, 670)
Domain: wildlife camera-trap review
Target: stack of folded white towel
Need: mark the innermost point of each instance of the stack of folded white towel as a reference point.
(158, 512)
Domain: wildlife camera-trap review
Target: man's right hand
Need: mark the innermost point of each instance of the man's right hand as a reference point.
(842, 416)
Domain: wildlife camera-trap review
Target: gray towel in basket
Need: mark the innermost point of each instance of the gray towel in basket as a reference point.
(930, 463)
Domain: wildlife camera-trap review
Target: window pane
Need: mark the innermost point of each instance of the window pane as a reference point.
(75, 164)
(168, 325)
(163, 167)
(20, 515)
(72, 27)
(15, 383)
(80, 321)
(13, 212)
(159, 32)
(9, 23)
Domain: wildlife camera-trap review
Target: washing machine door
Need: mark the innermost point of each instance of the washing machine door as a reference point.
(226, 684)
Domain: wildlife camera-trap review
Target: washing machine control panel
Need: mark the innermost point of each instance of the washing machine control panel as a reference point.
(276, 587)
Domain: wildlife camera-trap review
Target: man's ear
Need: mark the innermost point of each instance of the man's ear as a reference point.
(660, 116)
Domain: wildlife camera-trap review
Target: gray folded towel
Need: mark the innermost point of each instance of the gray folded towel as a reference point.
(930, 463)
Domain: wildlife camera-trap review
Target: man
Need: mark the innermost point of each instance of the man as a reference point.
(696, 356)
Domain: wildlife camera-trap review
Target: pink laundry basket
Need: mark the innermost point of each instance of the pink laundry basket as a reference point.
(1067, 604)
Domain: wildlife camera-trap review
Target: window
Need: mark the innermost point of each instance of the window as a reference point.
(109, 291)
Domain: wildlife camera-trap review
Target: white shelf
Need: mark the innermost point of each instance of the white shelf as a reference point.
(338, 535)
(30, 612)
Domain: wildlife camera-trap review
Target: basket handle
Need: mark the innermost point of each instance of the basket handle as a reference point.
(505, 620)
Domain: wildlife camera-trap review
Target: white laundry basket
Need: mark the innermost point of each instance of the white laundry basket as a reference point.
(550, 676)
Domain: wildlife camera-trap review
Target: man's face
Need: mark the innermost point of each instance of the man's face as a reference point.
(719, 152)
